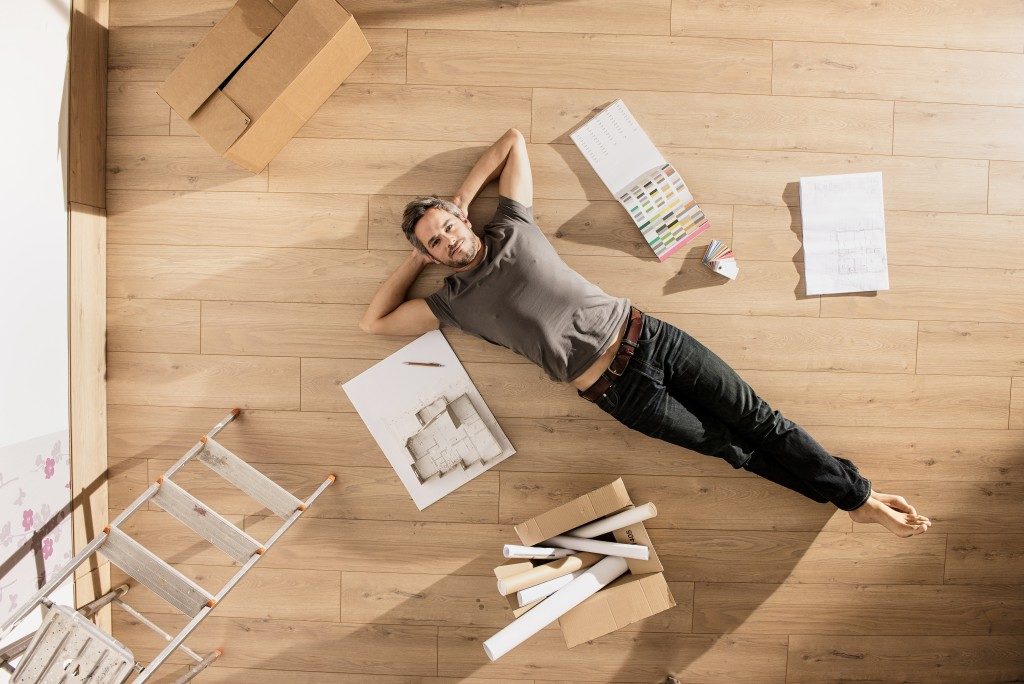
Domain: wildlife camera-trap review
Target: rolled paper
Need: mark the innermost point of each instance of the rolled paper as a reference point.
(591, 581)
(615, 522)
(514, 551)
(636, 551)
(545, 589)
(548, 571)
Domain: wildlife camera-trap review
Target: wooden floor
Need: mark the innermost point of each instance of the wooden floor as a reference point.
(233, 289)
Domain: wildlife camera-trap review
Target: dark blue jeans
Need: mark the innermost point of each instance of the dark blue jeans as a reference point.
(679, 391)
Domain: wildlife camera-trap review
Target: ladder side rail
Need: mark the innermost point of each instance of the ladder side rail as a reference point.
(187, 630)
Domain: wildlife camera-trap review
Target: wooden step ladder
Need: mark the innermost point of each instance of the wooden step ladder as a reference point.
(69, 641)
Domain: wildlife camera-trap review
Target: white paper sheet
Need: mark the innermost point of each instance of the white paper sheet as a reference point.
(844, 233)
(617, 147)
(389, 394)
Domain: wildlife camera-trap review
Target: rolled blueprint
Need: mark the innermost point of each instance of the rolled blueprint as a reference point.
(607, 548)
(628, 517)
(555, 606)
(544, 589)
(513, 551)
(548, 571)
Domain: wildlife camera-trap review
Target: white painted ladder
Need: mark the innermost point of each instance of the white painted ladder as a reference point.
(66, 641)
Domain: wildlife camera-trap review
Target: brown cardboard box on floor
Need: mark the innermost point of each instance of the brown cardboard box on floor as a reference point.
(262, 72)
(639, 594)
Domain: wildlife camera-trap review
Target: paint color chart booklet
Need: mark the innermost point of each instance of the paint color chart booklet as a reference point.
(640, 178)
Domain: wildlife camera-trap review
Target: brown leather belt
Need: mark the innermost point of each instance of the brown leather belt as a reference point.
(625, 352)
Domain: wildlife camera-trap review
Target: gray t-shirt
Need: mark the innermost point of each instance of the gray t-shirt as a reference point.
(523, 296)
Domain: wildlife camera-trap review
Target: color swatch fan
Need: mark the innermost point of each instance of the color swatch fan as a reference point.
(640, 178)
(720, 259)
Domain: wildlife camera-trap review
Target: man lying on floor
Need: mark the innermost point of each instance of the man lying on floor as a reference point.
(510, 287)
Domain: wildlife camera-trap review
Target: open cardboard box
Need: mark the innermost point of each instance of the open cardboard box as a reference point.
(262, 72)
(640, 593)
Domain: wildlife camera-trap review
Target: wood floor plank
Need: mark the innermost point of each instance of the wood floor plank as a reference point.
(818, 609)
(589, 16)
(312, 646)
(984, 559)
(971, 348)
(544, 60)
(139, 162)
(619, 656)
(134, 108)
(155, 379)
(264, 594)
(780, 556)
(957, 507)
(947, 24)
(371, 492)
(413, 599)
(938, 293)
(126, 480)
(580, 227)
(913, 238)
(327, 330)
(885, 400)
(253, 219)
(706, 120)
(684, 503)
(948, 130)
(255, 273)
(763, 342)
(410, 112)
(385, 546)
(945, 454)
(897, 73)
(153, 325)
(1017, 404)
(946, 659)
(792, 343)
(510, 389)
(1006, 188)
(765, 289)
(155, 13)
(151, 53)
(230, 675)
(286, 437)
(719, 176)
(890, 400)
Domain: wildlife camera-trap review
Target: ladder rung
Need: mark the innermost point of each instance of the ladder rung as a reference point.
(154, 573)
(248, 479)
(204, 521)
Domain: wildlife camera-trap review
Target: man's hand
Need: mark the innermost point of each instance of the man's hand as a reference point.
(421, 258)
(462, 204)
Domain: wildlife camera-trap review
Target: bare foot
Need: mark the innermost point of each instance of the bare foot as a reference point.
(893, 513)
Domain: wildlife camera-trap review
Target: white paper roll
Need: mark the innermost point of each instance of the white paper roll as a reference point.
(531, 594)
(548, 571)
(514, 551)
(555, 606)
(615, 522)
(607, 548)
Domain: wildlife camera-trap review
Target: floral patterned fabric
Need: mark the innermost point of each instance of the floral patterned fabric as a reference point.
(35, 524)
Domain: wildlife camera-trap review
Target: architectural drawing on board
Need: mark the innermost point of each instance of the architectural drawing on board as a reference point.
(452, 436)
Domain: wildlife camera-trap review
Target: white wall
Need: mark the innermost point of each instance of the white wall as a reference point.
(33, 288)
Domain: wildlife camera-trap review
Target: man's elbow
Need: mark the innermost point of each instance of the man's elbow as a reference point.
(516, 134)
(368, 326)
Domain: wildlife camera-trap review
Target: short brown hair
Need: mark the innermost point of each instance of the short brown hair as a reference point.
(415, 210)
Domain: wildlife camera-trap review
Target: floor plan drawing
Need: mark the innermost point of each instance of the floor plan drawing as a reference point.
(428, 418)
(452, 436)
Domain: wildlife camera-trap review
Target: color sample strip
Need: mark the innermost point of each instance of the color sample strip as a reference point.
(664, 209)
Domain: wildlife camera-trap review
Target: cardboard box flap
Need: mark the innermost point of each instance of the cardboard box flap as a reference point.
(300, 37)
(219, 121)
(625, 601)
(218, 54)
(597, 504)
(637, 534)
